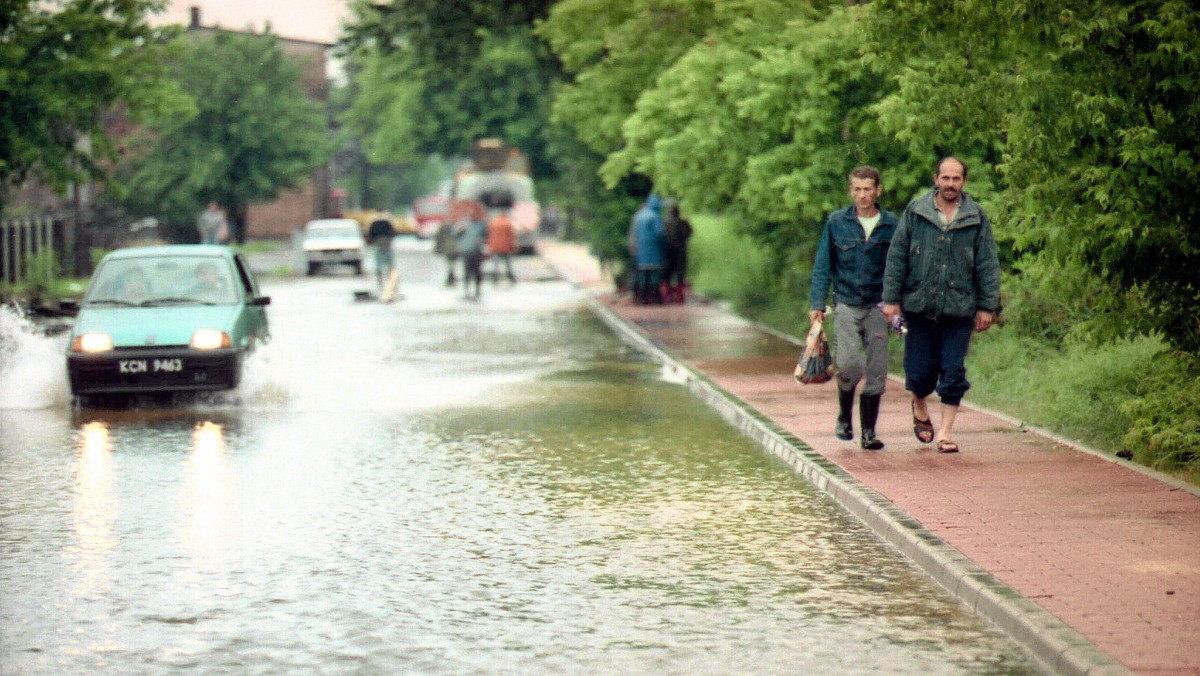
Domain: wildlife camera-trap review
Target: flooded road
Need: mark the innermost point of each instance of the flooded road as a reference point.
(437, 486)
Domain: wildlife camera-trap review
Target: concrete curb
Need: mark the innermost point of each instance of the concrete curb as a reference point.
(1057, 648)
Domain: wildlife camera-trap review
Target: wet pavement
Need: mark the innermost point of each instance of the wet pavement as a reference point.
(438, 486)
(1091, 562)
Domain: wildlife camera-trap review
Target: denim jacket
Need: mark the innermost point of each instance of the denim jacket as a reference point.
(851, 260)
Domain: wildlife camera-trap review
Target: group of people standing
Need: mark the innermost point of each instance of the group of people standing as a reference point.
(935, 269)
(658, 241)
(472, 236)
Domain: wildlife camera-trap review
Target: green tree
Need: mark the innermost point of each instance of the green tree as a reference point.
(757, 109)
(254, 132)
(432, 76)
(765, 117)
(1093, 108)
(611, 51)
(63, 66)
(614, 50)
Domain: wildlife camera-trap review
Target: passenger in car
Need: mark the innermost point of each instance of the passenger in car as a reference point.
(210, 286)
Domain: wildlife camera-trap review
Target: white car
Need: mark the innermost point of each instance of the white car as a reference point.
(333, 241)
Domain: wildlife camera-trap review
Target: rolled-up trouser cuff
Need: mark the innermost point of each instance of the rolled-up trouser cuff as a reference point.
(934, 357)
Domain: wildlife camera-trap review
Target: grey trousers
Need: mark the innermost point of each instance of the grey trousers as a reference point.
(860, 347)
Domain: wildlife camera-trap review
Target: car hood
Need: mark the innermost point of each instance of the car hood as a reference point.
(148, 326)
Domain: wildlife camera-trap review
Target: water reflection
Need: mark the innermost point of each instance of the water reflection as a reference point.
(205, 492)
(94, 508)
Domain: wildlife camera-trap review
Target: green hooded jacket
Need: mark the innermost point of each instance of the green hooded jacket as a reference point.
(942, 271)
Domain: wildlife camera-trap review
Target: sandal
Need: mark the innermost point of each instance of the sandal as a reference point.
(923, 429)
(947, 446)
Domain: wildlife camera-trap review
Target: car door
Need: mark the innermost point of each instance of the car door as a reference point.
(255, 305)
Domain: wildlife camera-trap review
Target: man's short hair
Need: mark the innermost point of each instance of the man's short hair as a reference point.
(938, 172)
(866, 172)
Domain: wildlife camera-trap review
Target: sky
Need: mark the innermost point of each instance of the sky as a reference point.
(317, 20)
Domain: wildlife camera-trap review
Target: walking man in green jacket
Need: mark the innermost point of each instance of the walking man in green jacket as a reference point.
(944, 276)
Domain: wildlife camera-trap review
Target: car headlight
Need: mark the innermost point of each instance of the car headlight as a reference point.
(209, 339)
(92, 342)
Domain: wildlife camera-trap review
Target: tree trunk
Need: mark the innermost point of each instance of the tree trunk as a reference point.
(237, 222)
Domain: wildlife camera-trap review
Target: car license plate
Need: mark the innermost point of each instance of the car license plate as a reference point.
(149, 365)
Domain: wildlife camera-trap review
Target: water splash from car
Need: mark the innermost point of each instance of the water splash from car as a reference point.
(32, 375)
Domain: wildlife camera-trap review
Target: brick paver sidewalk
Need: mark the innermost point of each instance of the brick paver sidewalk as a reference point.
(1110, 550)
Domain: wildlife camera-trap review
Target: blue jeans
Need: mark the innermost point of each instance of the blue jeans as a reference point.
(935, 352)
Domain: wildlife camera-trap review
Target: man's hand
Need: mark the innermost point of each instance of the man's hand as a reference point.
(983, 320)
(891, 311)
(816, 316)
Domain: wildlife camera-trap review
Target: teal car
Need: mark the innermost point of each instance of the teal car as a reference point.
(166, 319)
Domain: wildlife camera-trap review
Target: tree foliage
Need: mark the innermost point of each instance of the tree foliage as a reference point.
(755, 108)
(1093, 109)
(432, 76)
(63, 66)
(254, 131)
(615, 49)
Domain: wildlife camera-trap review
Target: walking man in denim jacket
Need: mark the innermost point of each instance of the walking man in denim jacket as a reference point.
(944, 275)
(851, 255)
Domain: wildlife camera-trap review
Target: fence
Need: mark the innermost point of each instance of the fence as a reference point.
(23, 239)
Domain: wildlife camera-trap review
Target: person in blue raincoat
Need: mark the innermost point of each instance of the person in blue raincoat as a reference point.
(651, 253)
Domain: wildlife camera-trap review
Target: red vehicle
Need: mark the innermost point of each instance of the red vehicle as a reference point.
(429, 213)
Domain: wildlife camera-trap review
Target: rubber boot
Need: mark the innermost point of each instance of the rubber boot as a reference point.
(868, 410)
(844, 430)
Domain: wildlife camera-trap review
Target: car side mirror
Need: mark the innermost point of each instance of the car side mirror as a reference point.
(261, 301)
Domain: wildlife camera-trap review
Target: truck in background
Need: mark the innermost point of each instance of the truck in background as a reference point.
(497, 177)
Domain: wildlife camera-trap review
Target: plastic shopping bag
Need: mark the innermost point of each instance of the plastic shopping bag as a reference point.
(815, 364)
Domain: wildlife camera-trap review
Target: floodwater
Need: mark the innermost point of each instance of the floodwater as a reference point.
(437, 486)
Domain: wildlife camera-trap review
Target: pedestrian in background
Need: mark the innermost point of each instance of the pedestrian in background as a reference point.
(472, 246)
(676, 231)
(851, 256)
(379, 237)
(445, 244)
(943, 274)
(650, 255)
(501, 245)
(211, 225)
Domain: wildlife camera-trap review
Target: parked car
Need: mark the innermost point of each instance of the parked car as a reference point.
(166, 319)
(333, 241)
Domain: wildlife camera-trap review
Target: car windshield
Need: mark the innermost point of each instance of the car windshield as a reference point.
(324, 231)
(163, 280)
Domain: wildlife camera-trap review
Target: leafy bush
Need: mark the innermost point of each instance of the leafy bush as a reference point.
(42, 270)
(730, 266)
(1165, 429)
